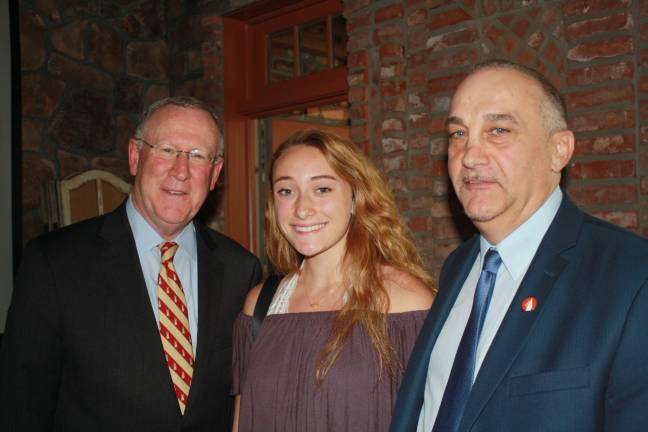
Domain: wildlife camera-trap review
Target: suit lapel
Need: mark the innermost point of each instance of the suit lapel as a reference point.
(122, 270)
(410, 397)
(540, 279)
(210, 284)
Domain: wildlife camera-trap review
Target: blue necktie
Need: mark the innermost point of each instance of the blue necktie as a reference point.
(461, 377)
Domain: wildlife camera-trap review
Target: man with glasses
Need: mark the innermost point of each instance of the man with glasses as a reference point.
(123, 322)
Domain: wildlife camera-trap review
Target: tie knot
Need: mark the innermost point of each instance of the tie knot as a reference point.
(492, 261)
(168, 250)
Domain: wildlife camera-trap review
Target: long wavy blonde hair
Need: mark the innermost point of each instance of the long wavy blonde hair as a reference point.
(376, 239)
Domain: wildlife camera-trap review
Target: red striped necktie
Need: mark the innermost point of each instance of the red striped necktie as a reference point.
(174, 325)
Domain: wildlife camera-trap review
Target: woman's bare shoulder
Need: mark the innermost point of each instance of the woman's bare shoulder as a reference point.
(251, 300)
(406, 292)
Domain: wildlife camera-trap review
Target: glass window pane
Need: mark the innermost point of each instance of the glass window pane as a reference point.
(338, 28)
(281, 55)
(313, 54)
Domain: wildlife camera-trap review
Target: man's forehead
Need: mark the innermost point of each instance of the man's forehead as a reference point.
(494, 94)
(171, 111)
(171, 115)
(489, 117)
(493, 80)
(499, 73)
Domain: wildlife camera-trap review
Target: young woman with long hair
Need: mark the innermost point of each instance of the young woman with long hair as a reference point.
(331, 352)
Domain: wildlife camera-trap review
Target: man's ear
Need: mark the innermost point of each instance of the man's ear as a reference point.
(562, 148)
(133, 156)
(215, 172)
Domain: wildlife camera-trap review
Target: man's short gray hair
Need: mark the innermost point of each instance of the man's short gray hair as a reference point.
(183, 102)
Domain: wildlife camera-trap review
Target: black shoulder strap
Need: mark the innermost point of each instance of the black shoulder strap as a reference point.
(263, 302)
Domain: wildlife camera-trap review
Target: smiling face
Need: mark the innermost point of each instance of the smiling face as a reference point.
(502, 159)
(312, 203)
(169, 193)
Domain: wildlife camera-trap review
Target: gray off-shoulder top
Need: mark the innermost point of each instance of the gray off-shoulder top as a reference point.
(274, 374)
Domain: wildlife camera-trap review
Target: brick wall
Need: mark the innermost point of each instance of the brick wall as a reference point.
(88, 69)
(406, 58)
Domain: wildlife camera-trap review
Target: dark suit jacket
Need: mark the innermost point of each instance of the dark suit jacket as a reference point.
(82, 352)
(579, 361)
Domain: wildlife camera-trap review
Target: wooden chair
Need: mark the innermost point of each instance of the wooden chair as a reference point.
(82, 196)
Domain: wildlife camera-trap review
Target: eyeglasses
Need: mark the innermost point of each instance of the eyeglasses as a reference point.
(195, 156)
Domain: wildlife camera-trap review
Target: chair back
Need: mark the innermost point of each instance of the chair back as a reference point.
(82, 196)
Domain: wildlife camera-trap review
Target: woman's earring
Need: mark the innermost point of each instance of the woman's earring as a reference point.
(352, 207)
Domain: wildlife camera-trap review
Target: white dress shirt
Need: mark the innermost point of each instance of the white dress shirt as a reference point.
(516, 250)
(147, 241)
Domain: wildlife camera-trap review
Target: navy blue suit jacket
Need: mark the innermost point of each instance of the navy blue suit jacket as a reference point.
(579, 361)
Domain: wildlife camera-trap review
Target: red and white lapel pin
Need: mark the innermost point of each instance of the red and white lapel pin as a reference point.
(529, 304)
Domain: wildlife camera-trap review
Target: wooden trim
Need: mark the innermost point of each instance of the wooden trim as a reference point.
(330, 85)
(329, 42)
(237, 191)
(296, 56)
(251, 126)
(265, 10)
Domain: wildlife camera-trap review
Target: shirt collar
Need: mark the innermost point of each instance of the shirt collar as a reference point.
(519, 247)
(146, 238)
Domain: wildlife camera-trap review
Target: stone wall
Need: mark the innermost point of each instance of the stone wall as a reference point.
(406, 58)
(88, 69)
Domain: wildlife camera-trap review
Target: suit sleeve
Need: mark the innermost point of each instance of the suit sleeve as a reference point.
(256, 274)
(626, 404)
(30, 355)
